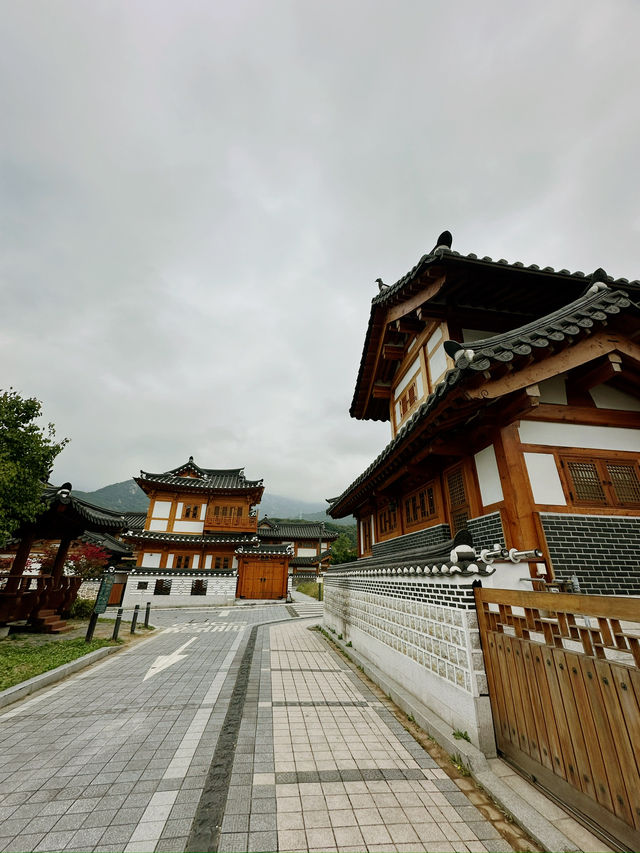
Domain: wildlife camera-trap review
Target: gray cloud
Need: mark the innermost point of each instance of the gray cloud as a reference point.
(197, 198)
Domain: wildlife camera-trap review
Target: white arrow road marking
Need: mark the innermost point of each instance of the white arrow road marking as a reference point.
(165, 661)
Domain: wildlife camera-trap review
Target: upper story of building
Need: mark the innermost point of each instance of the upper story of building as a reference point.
(513, 395)
(450, 297)
(194, 500)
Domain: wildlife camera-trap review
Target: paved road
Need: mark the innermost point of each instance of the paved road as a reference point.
(232, 730)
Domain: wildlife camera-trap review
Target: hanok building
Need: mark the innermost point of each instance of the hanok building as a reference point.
(513, 397)
(200, 538)
(310, 543)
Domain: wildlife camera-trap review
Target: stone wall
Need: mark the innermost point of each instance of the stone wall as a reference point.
(423, 634)
(221, 589)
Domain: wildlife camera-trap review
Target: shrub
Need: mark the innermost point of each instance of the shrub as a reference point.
(82, 608)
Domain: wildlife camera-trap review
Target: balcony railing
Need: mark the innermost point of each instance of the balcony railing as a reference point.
(247, 523)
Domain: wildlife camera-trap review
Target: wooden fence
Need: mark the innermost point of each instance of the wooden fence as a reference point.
(564, 682)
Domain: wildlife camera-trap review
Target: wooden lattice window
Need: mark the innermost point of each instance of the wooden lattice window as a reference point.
(365, 531)
(182, 561)
(602, 482)
(387, 519)
(162, 587)
(420, 506)
(457, 499)
(222, 563)
(198, 587)
(191, 511)
(408, 399)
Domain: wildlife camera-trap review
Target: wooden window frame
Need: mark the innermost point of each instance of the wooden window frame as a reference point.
(365, 531)
(387, 520)
(600, 460)
(162, 586)
(191, 511)
(181, 561)
(420, 522)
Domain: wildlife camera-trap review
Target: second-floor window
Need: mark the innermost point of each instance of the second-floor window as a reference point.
(408, 399)
(191, 511)
(182, 561)
(222, 562)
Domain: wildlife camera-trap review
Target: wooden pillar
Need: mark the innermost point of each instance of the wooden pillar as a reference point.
(61, 556)
(22, 555)
(522, 531)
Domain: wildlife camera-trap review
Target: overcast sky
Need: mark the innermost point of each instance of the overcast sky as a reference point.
(198, 195)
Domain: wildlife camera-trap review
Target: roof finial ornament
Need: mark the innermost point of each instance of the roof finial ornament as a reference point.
(597, 281)
(191, 459)
(444, 241)
(381, 285)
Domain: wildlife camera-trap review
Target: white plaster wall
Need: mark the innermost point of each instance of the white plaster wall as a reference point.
(188, 526)
(408, 377)
(488, 476)
(207, 561)
(196, 561)
(220, 590)
(545, 479)
(437, 363)
(161, 509)
(434, 339)
(203, 511)
(553, 390)
(580, 436)
(170, 558)
(179, 509)
(151, 560)
(606, 397)
(158, 524)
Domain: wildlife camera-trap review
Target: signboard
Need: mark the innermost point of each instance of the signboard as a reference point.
(104, 592)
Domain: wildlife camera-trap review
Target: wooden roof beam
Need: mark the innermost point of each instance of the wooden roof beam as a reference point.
(408, 325)
(599, 372)
(381, 391)
(393, 352)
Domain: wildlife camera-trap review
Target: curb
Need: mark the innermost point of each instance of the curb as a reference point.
(52, 676)
(536, 825)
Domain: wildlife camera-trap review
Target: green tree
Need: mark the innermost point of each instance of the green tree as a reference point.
(27, 451)
(342, 550)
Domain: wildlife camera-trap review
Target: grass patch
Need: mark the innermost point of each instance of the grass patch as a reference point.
(21, 660)
(310, 588)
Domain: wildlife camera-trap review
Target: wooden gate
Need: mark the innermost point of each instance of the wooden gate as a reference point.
(262, 578)
(564, 682)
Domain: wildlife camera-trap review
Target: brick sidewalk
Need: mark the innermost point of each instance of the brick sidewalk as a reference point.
(332, 769)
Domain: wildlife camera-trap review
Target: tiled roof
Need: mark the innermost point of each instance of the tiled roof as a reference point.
(186, 538)
(206, 478)
(134, 520)
(309, 561)
(95, 518)
(517, 284)
(295, 530)
(562, 327)
(432, 560)
(265, 550)
(109, 543)
(444, 255)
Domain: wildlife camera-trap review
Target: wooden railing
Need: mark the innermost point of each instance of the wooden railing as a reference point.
(246, 523)
(564, 682)
(23, 596)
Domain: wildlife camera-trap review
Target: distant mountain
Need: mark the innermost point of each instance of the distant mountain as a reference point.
(129, 497)
(125, 497)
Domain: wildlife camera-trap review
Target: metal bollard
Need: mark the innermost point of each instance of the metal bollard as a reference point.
(91, 627)
(146, 614)
(134, 620)
(116, 627)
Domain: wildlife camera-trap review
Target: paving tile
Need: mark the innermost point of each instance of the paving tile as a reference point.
(233, 842)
